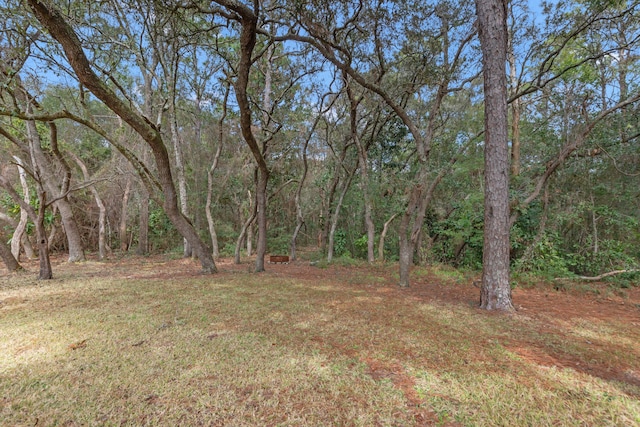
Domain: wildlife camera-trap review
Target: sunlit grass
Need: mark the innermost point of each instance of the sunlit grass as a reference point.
(122, 345)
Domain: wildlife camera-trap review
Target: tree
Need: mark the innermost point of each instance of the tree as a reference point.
(68, 39)
(492, 27)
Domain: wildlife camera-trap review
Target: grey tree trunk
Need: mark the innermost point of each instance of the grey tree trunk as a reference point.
(102, 216)
(336, 214)
(122, 229)
(364, 175)
(38, 220)
(21, 227)
(143, 223)
(492, 25)
(9, 260)
(383, 235)
(50, 180)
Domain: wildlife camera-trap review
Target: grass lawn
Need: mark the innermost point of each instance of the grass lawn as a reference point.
(149, 341)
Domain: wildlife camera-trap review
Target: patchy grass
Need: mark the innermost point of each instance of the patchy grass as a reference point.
(151, 342)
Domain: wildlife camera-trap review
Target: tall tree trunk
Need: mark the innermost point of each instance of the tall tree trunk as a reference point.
(215, 250)
(50, 180)
(122, 232)
(180, 176)
(336, 213)
(515, 108)
(492, 26)
(143, 223)
(249, 23)
(383, 235)
(364, 174)
(299, 215)
(66, 36)
(21, 227)
(102, 216)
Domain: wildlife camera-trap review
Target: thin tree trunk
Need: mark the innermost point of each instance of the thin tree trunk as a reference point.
(180, 176)
(102, 216)
(492, 25)
(124, 241)
(383, 235)
(215, 250)
(336, 213)
(364, 174)
(26, 243)
(243, 234)
(21, 227)
(38, 220)
(46, 272)
(143, 223)
(594, 226)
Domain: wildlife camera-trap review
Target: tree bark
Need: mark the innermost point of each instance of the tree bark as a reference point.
(50, 178)
(102, 216)
(364, 173)
(9, 260)
(249, 23)
(46, 272)
(243, 234)
(336, 213)
(383, 235)
(19, 231)
(143, 223)
(215, 250)
(66, 36)
(492, 25)
(122, 232)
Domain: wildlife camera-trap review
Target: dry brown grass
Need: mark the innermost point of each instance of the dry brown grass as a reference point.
(151, 342)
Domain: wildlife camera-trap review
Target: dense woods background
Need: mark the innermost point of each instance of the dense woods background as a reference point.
(224, 128)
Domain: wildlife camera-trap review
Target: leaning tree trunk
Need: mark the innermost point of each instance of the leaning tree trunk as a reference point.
(243, 234)
(492, 25)
(38, 220)
(66, 36)
(9, 260)
(21, 227)
(49, 178)
(383, 235)
(336, 214)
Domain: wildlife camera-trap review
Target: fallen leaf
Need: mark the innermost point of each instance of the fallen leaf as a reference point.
(79, 344)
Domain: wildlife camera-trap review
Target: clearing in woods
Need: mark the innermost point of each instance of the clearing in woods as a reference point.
(150, 341)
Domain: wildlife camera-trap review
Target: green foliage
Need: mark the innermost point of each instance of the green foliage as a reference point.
(458, 238)
(361, 246)
(340, 243)
(546, 259)
(611, 255)
(162, 234)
